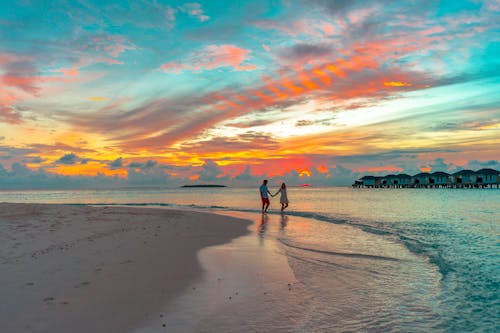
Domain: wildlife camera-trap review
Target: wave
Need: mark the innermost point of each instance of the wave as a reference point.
(341, 254)
(413, 245)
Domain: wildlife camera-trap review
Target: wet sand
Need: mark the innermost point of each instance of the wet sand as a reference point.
(293, 274)
(247, 286)
(99, 269)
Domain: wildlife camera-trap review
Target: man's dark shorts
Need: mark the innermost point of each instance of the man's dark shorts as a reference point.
(265, 200)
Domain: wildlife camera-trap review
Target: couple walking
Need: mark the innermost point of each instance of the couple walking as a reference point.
(264, 191)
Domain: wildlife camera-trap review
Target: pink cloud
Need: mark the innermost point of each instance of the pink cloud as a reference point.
(24, 83)
(327, 28)
(213, 57)
(7, 112)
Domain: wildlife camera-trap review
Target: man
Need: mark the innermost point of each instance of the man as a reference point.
(264, 196)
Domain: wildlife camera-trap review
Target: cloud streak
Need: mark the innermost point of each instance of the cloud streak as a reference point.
(212, 57)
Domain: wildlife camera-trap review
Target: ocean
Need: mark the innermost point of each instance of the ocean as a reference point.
(426, 259)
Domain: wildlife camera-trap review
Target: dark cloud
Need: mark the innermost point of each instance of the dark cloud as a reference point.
(251, 123)
(304, 122)
(147, 165)
(68, 159)
(301, 123)
(116, 164)
(303, 52)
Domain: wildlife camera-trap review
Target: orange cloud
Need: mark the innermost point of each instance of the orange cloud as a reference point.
(304, 173)
(322, 169)
(397, 84)
(335, 70)
(325, 78)
(97, 98)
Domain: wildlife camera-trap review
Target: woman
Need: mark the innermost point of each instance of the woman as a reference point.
(283, 198)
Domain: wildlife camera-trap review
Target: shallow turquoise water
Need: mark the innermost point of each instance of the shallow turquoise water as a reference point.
(456, 231)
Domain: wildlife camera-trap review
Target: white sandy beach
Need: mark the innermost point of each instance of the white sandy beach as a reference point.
(98, 269)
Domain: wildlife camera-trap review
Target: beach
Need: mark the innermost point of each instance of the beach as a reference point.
(98, 269)
(198, 260)
(80, 268)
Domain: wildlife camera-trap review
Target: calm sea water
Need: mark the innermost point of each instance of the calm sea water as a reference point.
(454, 234)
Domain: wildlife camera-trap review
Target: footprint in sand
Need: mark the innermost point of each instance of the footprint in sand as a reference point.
(83, 284)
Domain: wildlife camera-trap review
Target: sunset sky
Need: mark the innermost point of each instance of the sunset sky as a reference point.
(312, 91)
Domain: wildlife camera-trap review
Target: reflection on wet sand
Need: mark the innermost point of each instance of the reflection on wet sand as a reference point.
(283, 221)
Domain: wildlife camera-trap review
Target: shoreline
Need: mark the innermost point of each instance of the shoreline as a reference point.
(99, 269)
(147, 270)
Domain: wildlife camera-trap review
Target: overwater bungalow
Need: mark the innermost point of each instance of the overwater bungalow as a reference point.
(487, 177)
(422, 179)
(484, 178)
(368, 181)
(439, 179)
(391, 180)
(464, 178)
(403, 180)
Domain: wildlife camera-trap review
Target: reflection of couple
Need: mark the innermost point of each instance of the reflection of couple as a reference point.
(264, 191)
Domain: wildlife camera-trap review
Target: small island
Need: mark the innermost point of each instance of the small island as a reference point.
(204, 185)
